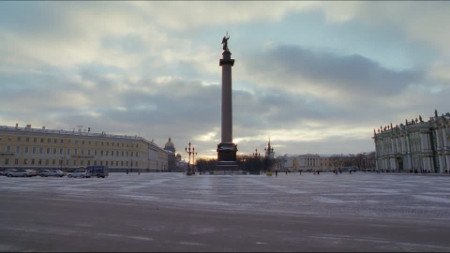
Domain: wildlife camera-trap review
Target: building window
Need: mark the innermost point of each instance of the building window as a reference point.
(35, 140)
(61, 141)
(106, 163)
(55, 140)
(82, 151)
(67, 162)
(27, 139)
(117, 153)
(81, 162)
(39, 162)
(121, 163)
(32, 161)
(76, 151)
(61, 151)
(132, 154)
(54, 162)
(17, 150)
(42, 140)
(46, 161)
(117, 163)
(82, 142)
(136, 163)
(41, 150)
(49, 140)
(101, 162)
(6, 161)
(25, 161)
(106, 152)
(48, 150)
(18, 138)
(54, 150)
(88, 162)
(89, 152)
(16, 161)
(34, 150)
(101, 153)
(68, 151)
(95, 162)
(74, 162)
(8, 148)
(26, 150)
(95, 152)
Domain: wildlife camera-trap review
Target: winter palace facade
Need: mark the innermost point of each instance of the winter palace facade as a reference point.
(415, 146)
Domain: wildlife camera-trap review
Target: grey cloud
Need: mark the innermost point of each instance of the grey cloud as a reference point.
(289, 65)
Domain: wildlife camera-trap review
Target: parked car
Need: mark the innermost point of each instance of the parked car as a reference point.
(98, 171)
(16, 173)
(31, 172)
(2, 172)
(52, 173)
(79, 173)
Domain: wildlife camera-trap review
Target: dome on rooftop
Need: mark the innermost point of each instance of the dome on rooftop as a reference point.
(169, 146)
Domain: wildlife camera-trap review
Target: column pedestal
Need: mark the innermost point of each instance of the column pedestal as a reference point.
(226, 159)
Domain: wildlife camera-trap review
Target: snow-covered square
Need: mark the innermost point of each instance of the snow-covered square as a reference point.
(174, 212)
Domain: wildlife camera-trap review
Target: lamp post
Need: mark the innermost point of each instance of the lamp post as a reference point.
(191, 151)
(256, 154)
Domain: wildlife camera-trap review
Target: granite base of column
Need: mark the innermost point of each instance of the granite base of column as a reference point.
(226, 157)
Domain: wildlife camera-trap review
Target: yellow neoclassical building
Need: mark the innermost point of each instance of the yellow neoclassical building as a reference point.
(40, 148)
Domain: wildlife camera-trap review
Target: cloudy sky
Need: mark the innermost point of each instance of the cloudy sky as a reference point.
(314, 77)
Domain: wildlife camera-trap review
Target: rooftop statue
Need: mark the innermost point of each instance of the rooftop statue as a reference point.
(225, 42)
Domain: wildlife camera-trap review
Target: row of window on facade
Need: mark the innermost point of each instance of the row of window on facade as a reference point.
(74, 162)
(49, 140)
(34, 150)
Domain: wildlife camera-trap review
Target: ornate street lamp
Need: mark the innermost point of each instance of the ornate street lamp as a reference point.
(191, 152)
(256, 154)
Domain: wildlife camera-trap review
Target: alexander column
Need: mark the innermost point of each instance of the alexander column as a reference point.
(226, 150)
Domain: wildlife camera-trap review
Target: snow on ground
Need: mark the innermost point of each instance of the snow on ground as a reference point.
(365, 195)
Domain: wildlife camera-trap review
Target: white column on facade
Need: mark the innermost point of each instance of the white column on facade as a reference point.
(444, 137)
(439, 141)
(447, 161)
(441, 163)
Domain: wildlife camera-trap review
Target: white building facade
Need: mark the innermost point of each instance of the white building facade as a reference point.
(416, 146)
(26, 147)
(306, 162)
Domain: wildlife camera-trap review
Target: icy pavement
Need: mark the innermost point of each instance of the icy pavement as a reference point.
(175, 212)
(365, 195)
